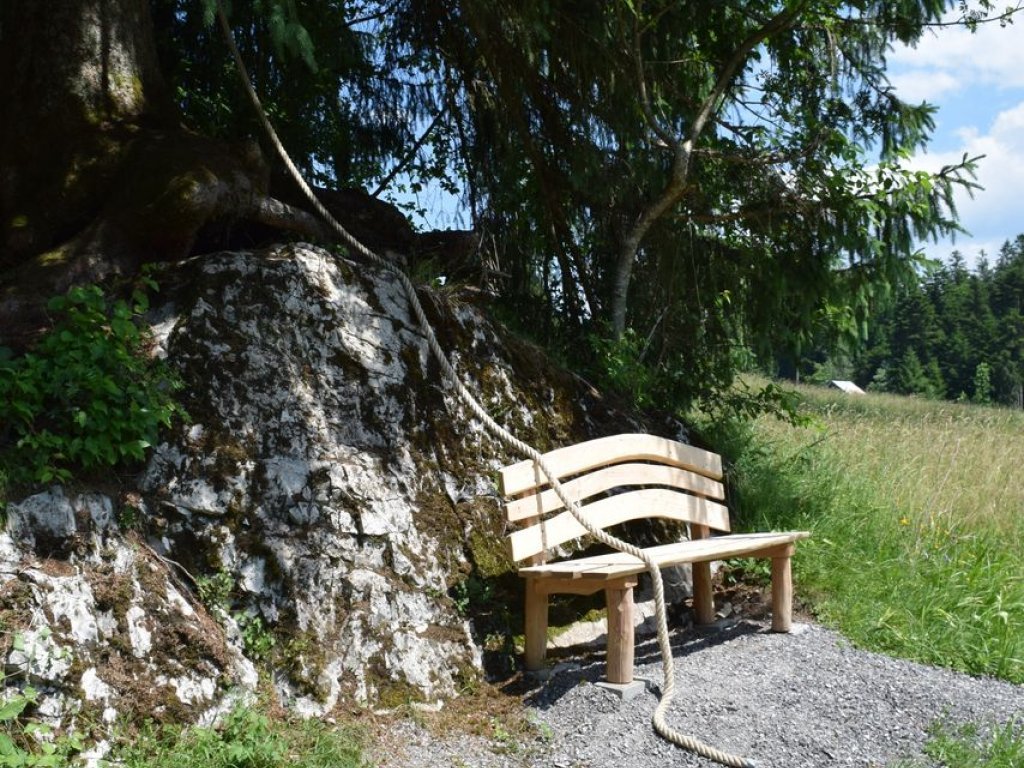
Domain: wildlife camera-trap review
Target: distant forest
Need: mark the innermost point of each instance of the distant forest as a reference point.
(957, 335)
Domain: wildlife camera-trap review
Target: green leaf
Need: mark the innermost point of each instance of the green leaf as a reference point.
(12, 708)
(7, 749)
(38, 729)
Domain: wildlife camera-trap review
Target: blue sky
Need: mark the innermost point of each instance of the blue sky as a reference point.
(977, 81)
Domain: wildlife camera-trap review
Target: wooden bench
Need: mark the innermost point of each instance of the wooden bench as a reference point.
(617, 479)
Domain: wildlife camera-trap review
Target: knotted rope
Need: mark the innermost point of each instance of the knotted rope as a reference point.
(523, 449)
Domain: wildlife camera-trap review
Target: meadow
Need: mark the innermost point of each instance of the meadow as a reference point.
(917, 514)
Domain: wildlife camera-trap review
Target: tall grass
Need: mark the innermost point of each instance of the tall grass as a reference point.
(917, 517)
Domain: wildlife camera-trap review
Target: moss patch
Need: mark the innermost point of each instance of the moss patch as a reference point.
(489, 553)
(113, 592)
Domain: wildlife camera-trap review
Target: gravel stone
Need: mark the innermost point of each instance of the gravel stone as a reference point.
(794, 701)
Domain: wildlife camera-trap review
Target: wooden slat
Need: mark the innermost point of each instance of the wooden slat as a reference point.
(574, 459)
(650, 502)
(701, 550)
(600, 480)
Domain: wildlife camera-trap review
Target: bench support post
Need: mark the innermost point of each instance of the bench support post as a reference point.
(619, 597)
(703, 596)
(535, 629)
(782, 590)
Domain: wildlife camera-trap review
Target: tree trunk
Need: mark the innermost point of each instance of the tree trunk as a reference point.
(682, 151)
(96, 175)
(80, 76)
(630, 246)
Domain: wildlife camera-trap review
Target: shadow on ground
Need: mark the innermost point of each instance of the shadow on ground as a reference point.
(572, 667)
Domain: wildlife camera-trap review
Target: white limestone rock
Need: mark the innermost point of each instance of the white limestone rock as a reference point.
(325, 469)
(109, 609)
(329, 471)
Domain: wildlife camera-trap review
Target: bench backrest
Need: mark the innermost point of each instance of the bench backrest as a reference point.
(634, 475)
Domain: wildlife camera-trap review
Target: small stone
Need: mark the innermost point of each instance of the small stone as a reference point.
(100, 510)
(44, 518)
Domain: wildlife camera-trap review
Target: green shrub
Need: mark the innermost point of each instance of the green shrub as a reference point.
(88, 395)
(25, 743)
(257, 638)
(215, 592)
(626, 366)
(621, 367)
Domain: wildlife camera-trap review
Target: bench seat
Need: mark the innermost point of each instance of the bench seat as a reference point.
(617, 564)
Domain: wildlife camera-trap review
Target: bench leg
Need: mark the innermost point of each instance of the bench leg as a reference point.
(535, 627)
(703, 597)
(620, 632)
(782, 592)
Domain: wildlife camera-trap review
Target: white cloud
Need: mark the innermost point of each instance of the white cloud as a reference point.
(952, 58)
(917, 85)
(971, 77)
(1009, 125)
(996, 212)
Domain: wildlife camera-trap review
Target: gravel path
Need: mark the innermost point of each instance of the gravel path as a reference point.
(787, 701)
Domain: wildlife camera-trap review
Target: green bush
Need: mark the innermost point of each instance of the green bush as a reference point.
(621, 367)
(88, 395)
(624, 365)
(215, 592)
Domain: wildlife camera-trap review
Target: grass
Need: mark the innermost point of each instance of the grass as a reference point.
(916, 517)
(246, 739)
(966, 746)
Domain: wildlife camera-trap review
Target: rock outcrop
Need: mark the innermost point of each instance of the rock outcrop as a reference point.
(328, 500)
(98, 622)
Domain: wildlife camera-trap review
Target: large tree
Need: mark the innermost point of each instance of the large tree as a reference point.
(713, 175)
(76, 78)
(717, 177)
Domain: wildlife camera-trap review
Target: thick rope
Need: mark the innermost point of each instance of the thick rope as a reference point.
(527, 451)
